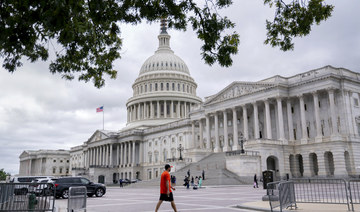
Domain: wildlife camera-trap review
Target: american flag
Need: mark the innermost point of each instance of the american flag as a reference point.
(100, 109)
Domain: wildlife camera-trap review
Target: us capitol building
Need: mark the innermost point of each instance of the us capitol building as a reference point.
(303, 125)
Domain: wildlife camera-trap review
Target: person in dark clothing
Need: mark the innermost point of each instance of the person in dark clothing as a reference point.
(186, 182)
(188, 173)
(255, 182)
(203, 174)
(121, 183)
(192, 181)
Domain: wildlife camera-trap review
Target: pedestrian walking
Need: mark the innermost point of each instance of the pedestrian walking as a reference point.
(203, 174)
(166, 189)
(200, 182)
(255, 182)
(188, 173)
(192, 181)
(186, 182)
(121, 183)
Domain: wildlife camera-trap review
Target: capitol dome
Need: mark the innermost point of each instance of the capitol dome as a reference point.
(164, 91)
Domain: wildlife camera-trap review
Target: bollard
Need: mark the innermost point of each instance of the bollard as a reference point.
(32, 201)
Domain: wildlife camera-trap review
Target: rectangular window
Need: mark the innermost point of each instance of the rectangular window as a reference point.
(54, 170)
(292, 109)
(305, 107)
(294, 130)
(319, 104)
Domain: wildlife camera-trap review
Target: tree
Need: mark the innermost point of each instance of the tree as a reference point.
(3, 175)
(89, 34)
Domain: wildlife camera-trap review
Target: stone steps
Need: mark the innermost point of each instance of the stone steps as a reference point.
(215, 173)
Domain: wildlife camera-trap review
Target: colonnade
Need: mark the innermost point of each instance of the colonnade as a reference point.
(158, 109)
(279, 104)
(117, 154)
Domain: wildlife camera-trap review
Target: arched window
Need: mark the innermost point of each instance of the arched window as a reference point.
(161, 86)
(156, 86)
(167, 86)
(183, 87)
(173, 86)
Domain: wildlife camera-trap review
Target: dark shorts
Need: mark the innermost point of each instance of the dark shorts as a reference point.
(165, 197)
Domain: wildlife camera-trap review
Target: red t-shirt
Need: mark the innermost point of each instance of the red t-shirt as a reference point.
(165, 176)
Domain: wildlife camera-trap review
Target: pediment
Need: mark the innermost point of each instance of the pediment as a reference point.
(97, 136)
(237, 89)
(24, 154)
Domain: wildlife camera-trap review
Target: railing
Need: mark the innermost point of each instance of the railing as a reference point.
(27, 197)
(332, 191)
(77, 198)
(246, 152)
(189, 160)
(354, 190)
(307, 190)
(281, 194)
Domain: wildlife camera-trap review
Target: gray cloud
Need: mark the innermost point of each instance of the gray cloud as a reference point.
(39, 110)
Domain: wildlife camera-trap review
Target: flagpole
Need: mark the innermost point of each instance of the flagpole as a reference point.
(103, 118)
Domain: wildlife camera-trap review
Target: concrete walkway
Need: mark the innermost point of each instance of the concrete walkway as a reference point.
(211, 198)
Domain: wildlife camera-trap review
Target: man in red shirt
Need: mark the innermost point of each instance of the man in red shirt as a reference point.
(165, 189)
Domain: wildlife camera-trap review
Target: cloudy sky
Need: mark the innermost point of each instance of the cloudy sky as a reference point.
(39, 110)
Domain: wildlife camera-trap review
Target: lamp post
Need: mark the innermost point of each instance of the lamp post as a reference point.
(180, 148)
(241, 143)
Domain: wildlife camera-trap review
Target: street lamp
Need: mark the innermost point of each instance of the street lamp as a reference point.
(241, 143)
(180, 148)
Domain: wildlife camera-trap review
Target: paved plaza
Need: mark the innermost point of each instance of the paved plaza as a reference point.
(145, 199)
(217, 199)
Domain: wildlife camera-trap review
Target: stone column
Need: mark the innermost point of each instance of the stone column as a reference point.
(290, 120)
(318, 137)
(332, 112)
(141, 152)
(201, 128)
(208, 136)
(125, 154)
(165, 109)
(194, 145)
(139, 111)
(217, 143)
(256, 121)
(235, 130)
(117, 154)
(280, 118)
(226, 136)
(268, 120)
(246, 128)
(304, 137)
(103, 155)
(129, 153)
(121, 153)
(133, 152)
(144, 111)
(172, 109)
(178, 109)
(158, 109)
(151, 110)
(111, 155)
(106, 154)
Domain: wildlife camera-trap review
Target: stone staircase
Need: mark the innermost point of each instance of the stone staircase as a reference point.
(216, 173)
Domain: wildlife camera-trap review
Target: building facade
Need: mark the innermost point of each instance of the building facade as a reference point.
(45, 163)
(303, 125)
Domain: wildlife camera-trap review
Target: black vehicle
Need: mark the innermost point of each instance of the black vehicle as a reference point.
(62, 186)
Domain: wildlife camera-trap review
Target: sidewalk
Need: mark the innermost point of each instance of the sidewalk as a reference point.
(302, 207)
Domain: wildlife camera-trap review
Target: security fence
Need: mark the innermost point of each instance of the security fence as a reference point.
(286, 194)
(27, 197)
(354, 190)
(281, 194)
(77, 199)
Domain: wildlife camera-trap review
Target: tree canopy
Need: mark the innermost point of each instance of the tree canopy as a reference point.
(89, 34)
(3, 175)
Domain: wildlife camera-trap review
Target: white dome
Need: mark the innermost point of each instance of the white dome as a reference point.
(164, 61)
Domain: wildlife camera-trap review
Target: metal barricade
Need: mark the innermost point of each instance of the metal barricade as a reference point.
(354, 192)
(27, 197)
(281, 194)
(328, 191)
(77, 199)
